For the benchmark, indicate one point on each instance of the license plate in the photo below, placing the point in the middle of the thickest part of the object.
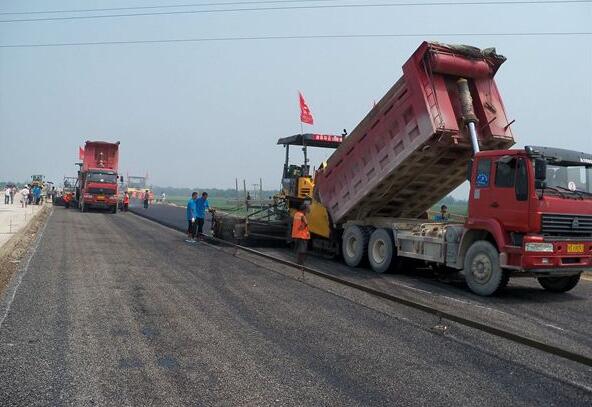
(102, 198)
(575, 248)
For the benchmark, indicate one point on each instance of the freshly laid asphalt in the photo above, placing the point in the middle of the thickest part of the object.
(524, 307)
(117, 310)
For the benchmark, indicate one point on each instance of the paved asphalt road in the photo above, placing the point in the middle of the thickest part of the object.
(116, 310)
(524, 307)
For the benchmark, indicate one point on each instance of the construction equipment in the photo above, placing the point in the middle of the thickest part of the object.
(67, 197)
(37, 180)
(136, 187)
(96, 186)
(529, 210)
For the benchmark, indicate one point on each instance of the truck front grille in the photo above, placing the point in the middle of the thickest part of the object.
(567, 225)
(100, 191)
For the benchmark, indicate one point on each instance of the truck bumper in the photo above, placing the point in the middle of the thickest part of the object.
(560, 262)
(99, 204)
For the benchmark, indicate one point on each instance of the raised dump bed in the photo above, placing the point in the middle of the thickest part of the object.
(412, 149)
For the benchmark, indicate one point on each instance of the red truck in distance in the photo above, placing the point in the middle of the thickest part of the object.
(97, 179)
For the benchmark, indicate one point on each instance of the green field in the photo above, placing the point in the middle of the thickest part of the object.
(221, 204)
(457, 209)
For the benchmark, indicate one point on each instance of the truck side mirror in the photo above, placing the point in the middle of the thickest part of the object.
(540, 170)
(469, 170)
(538, 184)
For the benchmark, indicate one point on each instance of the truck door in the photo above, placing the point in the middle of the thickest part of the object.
(481, 189)
(509, 201)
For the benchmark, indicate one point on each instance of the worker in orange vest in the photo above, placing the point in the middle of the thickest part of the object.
(300, 233)
(125, 202)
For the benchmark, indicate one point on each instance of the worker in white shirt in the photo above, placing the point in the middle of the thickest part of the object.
(24, 196)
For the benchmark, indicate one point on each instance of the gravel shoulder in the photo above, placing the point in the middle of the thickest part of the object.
(15, 249)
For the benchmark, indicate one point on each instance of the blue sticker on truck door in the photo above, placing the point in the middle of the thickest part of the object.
(483, 171)
(482, 180)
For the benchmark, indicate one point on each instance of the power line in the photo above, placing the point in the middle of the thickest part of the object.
(291, 8)
(234, 3)
(297, 37)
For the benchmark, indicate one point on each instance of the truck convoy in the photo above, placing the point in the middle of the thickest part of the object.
(96, 186)
(443, 122)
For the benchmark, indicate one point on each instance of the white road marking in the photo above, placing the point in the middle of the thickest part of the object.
(414, 288)
(553, 326)
(457, 300)
(23, 272)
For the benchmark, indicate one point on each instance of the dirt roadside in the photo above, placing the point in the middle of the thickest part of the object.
(13, 252)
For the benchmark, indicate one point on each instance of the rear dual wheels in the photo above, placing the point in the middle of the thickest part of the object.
(354, 245)
(381, 250)
(377, 245)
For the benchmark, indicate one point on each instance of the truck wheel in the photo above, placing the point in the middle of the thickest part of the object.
(114, 209)
(482, 270)
(354, 245)
(381, 250)
(559, 284)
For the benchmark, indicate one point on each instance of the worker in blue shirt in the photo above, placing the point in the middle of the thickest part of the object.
(191, 216)
(443, 216)
(37, 194)
(201, 204)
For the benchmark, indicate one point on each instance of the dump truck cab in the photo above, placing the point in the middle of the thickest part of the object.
(535, 205)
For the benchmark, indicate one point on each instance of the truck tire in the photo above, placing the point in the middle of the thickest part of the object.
(114, 209)
(354, 245)
(482, 270)
(559, 284)
(381, 250)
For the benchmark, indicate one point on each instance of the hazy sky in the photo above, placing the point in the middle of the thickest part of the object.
(203, 113)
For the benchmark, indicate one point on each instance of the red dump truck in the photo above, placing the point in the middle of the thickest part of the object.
(443, 122)
(97, 179)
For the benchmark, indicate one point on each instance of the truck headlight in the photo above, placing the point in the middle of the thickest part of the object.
(539, 247)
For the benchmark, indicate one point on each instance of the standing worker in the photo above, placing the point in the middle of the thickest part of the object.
(201, 204)
(125, 201)
(7, 195)
(24, 196)
(146, 199)
(443, 216)
(300, 233)
(191, 215)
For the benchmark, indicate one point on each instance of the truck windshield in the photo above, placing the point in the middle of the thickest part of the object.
(105, 177)
(570, 178)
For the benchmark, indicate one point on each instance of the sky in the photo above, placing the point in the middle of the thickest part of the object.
(204, 113)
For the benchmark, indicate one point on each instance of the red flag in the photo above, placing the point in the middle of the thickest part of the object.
(80, 153)
(305, 114)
